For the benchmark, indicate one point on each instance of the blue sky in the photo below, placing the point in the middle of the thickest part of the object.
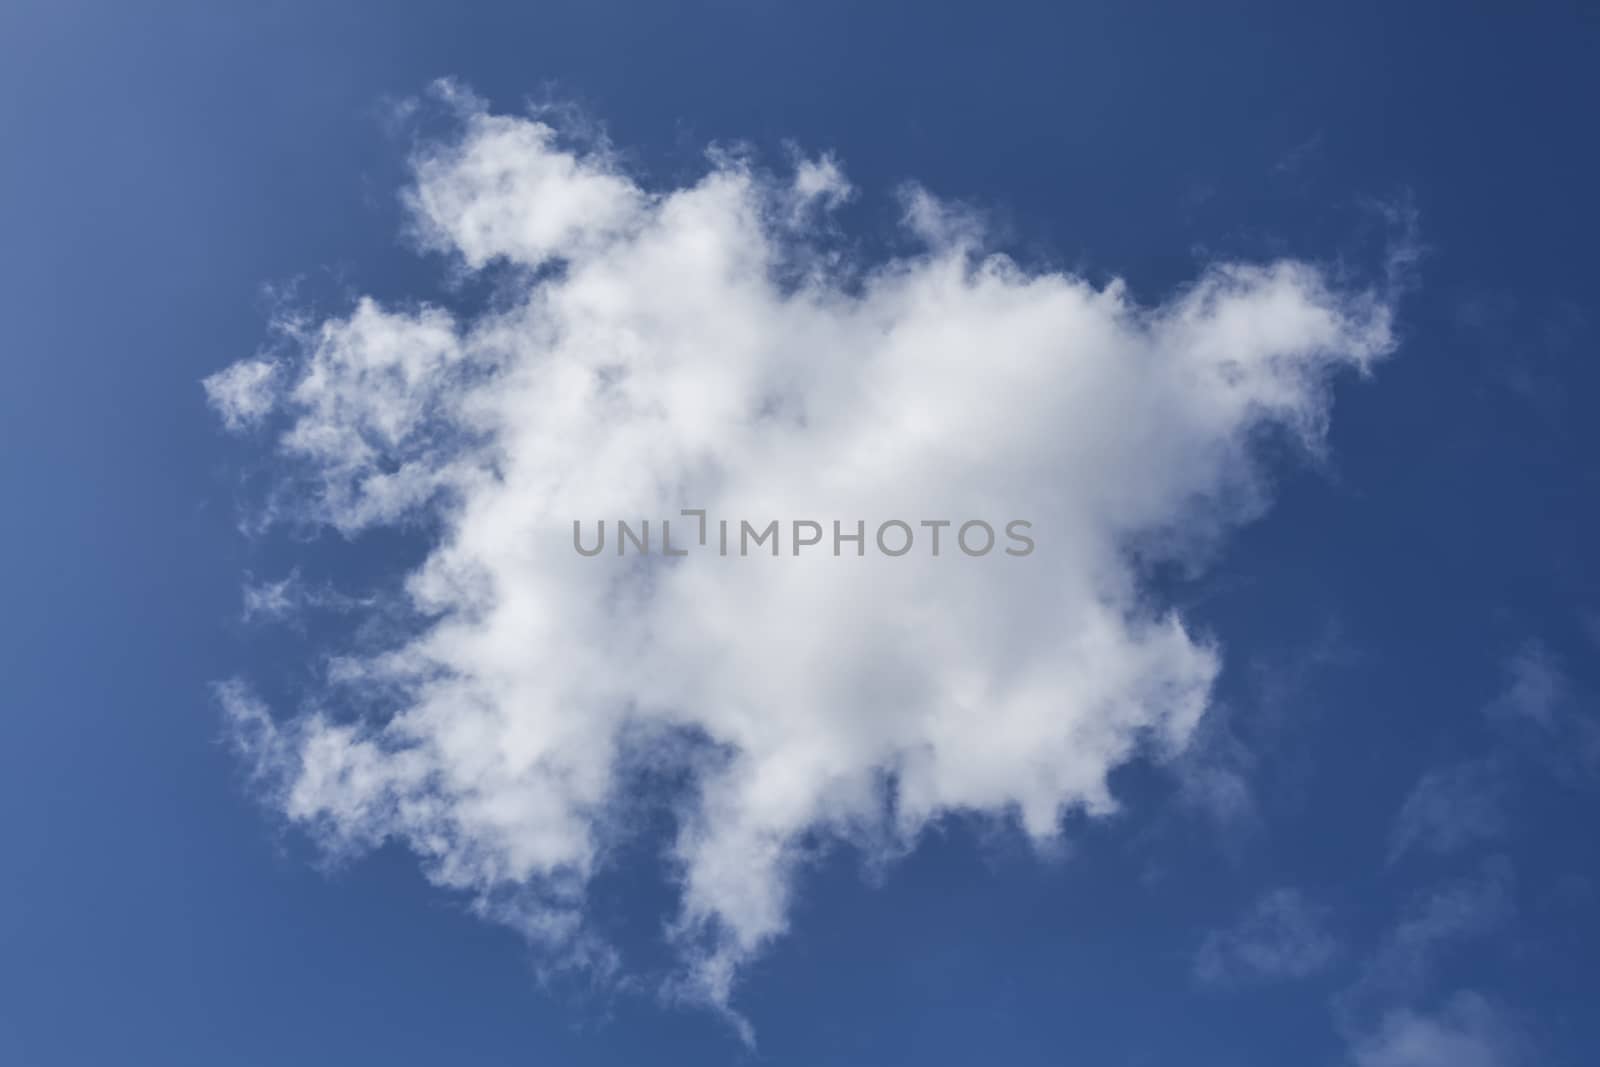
(1375, 845)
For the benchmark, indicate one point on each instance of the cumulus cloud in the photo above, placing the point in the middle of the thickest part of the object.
(1283, 936)
(710, 347)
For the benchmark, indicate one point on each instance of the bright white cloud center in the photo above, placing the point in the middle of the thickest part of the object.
(702, 347)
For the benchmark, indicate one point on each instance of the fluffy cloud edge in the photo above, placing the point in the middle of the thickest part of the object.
(386, 414)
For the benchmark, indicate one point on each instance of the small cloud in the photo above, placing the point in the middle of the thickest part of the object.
(1467, 1032)
(1536, 689)
(821, 181)
(1300, 156)
(1449, 810)
(251, 731)
(289, 597)
(271, 600)
(243, 393)
(1282, 936)
(1541, 707)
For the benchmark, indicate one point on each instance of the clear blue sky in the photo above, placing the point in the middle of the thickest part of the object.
(1408, 703)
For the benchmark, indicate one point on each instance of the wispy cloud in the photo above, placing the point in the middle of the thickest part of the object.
(1541, 710)
(1383, 1013)
(291, 597)
(1450, 809)
(1283, 936)
(1536, 690)
(1437, 921)
(244, 392)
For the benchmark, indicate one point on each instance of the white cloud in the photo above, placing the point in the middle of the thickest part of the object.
(706, 347)
(244, 392)
(291, 597)
(1282, 936)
